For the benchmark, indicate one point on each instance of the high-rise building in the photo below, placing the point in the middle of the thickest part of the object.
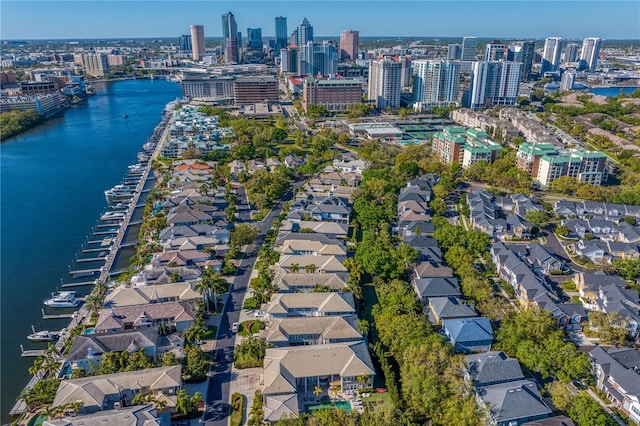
(254, 38)
(293, 38)
(317, 59)
(305, 33)
(250, 90)
(571, 52)
(454, 52)
(551, 54)
(405, 70)
(494, 83)
(495, 51)
(384, 81)
(568, 78)
(281, 33)
(435, 83)
(523, 51)
(95, 64)
(293, 53)
(349, 44)
(231, 39)
(197, 41)
(184, 43)
(469, 47)
(589, 53)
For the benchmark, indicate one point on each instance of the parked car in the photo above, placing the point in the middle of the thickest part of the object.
(259, 314)
(234, 327)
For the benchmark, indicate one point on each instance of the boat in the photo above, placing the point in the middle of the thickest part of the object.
(63, 299)
(112, 216)
(118, 192)
(43, 336)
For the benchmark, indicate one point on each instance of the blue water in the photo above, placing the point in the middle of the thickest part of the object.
(52, 182)
(611, 91)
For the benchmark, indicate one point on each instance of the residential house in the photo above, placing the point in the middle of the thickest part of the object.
(113, 391)
(551, 421)
(514, 403)
(617, 374)
(303, 282)
(621, 250)
(492, 368)
(429, 270)
(299, 331)
(588, 283)
(445, 308)
(167, 274)
(283, 305)
(87, 350)
(427, 288)
(625, 302)
(137, 415)
(544, 262)
(596, 251)
(311, 264)
(569, 315)
(350, 166)
(140, 295)
(177, 315)
(311, 247)
(182, 258)
(339, 230)
(469, 334)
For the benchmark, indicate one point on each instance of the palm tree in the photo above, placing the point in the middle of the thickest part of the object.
(311, 268)
(363, 379)
(100, 288)
(294, 268)
(94, 303)
(317, 391)
(334, 390)
(36, 368)
(211, 282)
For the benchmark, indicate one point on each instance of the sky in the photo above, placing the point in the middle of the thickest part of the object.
(53, 19)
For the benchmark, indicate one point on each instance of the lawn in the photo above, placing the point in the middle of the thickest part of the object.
(383, 398)
(251, 327)
(210, 333)
(250, 303)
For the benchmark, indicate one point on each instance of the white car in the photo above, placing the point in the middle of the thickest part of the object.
(259, 314)
(234, 327)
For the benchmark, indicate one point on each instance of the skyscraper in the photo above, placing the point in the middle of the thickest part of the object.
(293, 38)
(254, 38)
(317, 59)
(495, 51)
(571, 52)
(454, 52)
(523, 51)
(568, 78)
(551, 54)
(349, 44)
(494, 83)
(384, 82)
(435, 83)
(305, 32)
(230, 38)
(281, 32)
(589, 53)
(197, 41)
(184, 43)
(469, 47)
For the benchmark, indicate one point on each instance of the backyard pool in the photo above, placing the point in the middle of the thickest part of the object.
(342, 405)
(37, 420)
(89, 331)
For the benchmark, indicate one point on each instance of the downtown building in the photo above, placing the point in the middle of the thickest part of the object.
(523, 51)
(95, 64)
(45, 104)
(197, 42)
(231, 38)
(546, 163)
(335, 94)
(494, 84)
(289, 58)
(469, 47)
(551, 54)
(302, 34)
(435, 83)
(184, 43)
(318, 59)
(349, 44)
(589, 53)
(251, 90)
(385, 81)
(219, 89)
(281, 33)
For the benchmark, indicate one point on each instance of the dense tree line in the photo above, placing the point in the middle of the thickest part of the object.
(14, 122)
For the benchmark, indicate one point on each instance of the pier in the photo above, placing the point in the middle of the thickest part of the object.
(80, 284)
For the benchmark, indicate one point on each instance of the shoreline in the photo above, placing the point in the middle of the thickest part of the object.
(19, 407)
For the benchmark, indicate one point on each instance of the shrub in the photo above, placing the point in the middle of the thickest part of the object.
(250, 303)
(237, 405)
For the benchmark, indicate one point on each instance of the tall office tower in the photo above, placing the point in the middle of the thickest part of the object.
(229, 32)
(495, 51)
(494, 83)
(293, 38)
(318, 59)
(284, 60)
(197, 41)
(293, 53)
(523, 51)
(454, 52)
(435, 83)
(551, 54)
(469, 46)
(571, 52)
(281, 33)
(305, 33)
(254, 38)
(384, 82)
(184, 43)
(349, 44)
(568, 78)
(589, 53)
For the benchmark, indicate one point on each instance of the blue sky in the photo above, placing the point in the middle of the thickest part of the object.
(27, 19)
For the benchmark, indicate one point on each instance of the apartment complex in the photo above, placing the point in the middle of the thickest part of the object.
(385, 81)
(469, 47)
(545, 163)
(494, 83)
(435, 84)
(335, 94)
(465, 146)
(95, 64)
(45, 105)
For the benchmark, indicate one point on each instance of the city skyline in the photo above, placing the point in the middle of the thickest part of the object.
(77, 20)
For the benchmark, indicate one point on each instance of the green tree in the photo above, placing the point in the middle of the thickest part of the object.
(243, 234)
(183, 403)
(538, 218)
(610, 328)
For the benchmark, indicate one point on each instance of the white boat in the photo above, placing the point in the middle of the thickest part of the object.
(118, 192)
(43, 336)
(112, 216)
(63, 299)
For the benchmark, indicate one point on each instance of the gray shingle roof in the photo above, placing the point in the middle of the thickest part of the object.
(514, 400)
(493, 368)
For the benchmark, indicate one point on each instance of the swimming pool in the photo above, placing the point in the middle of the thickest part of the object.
(342, 405)
(89, 331)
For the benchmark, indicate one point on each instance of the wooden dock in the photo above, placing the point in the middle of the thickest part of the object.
(79, 284)
(56, 316)
(90, 259)
(31, 353)
(81, 272)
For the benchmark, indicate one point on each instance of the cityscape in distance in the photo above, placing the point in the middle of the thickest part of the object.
(348, 229)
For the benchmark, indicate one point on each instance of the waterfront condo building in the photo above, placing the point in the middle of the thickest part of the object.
(95, 64)
(197, 42)
(335, 94)
(385, 81)
(464, 146)
(281, 33)
(545, 163)
(494, 83)
(211, 88)
(469, 47)
(571, 52)
(435, 83)
(349, 44)
(551, 54)
(251, 90)
(568, 78)
(589, 53)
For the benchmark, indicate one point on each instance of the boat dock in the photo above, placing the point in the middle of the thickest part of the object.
(80, 284)
(31, 353)
(57, 316)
